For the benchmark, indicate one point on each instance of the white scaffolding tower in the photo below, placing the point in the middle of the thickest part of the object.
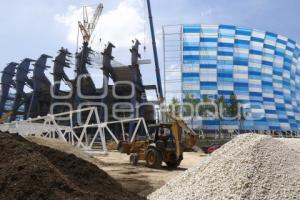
(172, 58)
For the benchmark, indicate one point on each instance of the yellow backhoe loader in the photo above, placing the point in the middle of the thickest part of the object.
(168, 145)
(5, 117)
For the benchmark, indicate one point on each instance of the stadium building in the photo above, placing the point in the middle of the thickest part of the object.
(260, 68)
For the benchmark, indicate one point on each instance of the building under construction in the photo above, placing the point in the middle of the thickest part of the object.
(122, 86)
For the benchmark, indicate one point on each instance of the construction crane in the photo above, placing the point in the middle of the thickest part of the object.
(157, 70)
(87, 28)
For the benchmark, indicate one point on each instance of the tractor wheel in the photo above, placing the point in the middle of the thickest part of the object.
(153, 158)
(134, 159)
(173, 164)
(173, 161)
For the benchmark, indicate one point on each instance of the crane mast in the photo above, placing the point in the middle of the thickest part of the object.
(157, 70)
(87, 28)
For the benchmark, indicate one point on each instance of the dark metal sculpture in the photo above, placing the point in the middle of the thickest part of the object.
(40, 98)
(108, 73)
(82, 60)
(83, 78)
(21, 80)
(139, 91)
(61, 61)
(6, 82)
(38, 102)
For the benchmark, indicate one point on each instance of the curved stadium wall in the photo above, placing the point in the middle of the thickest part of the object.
(259, 67)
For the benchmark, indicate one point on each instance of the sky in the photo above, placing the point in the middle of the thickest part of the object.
(32, 27)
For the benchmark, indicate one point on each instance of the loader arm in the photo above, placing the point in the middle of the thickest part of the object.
(5, 117)
(176, 132)
(180, 127)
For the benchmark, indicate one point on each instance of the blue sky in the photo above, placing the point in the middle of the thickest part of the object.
(32, 27)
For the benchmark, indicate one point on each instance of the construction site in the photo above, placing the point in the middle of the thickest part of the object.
(212, 125)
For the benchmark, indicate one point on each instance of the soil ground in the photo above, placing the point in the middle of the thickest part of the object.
(138, 179)
(141, 179)
(31, 171)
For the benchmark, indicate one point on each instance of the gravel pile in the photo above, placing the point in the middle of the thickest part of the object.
(250, 166)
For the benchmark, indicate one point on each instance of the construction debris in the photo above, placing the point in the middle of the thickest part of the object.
(250, 166)
(31, 171)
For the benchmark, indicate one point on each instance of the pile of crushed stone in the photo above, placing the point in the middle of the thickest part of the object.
(250, 166)
(31, 171)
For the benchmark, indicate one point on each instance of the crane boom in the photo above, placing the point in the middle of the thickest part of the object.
(87, 28)
(157, 70)
(85, 34)
(95, 19)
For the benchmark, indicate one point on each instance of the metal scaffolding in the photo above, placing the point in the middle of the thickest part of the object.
(172, 60)
(90, 135)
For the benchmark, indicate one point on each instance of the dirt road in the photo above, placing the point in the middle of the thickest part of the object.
(140, 179)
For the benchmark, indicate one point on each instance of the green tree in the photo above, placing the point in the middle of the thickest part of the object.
(233, 106)
(236, 111)
(242, 118)
(221, 106)
(191, 108)
(220, 101)
(174, 106)
(207, 107)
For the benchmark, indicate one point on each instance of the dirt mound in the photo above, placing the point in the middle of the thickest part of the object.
(249, 167)
(31, 171)
(65, 147)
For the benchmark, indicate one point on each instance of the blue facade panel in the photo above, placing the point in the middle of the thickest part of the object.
(259, 67)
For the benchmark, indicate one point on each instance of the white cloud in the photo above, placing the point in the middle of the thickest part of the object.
(70, 21)
(119, 26)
